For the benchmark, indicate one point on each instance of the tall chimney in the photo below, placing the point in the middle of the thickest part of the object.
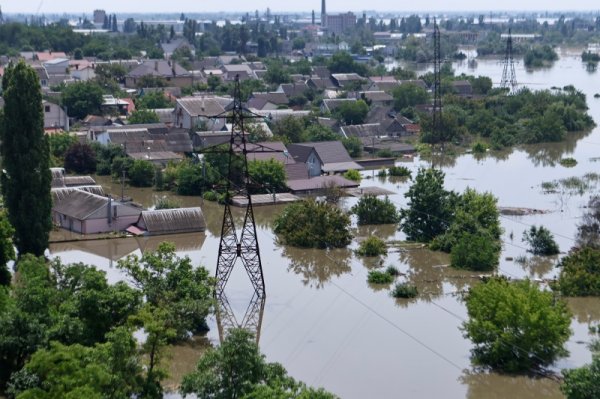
(323, 14)
(156, 65)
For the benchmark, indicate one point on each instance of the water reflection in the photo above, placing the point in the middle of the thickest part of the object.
(383, 231)
(585, 309)
(549, 154)
(498, 386)
(251, 321)
(317, 266)
(538, 266)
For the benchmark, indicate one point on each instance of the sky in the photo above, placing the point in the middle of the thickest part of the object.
(176, 6)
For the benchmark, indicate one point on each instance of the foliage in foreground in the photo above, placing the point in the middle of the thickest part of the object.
(372, 210)
(583, 382)
(237, 369)
(541, 241)
(514, 326)
(312, 224)
(372, 246)
(580, 273)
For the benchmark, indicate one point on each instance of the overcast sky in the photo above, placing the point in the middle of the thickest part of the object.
(87, 6)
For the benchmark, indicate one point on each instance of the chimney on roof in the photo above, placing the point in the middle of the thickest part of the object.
(156, 65)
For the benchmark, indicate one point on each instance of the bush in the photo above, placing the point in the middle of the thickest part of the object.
(311, 224)
(392, 271)
(514, 326)
(372, 246)
(379, 277)
(353, 175)
(582, 382)
(80, 158)
(404, 290)
(167, 203)
(479, 147)
(474, 252)
(541, 241)
(399, 171)
(568, 162)
(580, 273)
(382, 173)
(141, 173)
(210, 196)
(372, 210)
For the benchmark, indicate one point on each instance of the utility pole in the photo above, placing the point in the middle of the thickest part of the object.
(437, 94)
(509, 77)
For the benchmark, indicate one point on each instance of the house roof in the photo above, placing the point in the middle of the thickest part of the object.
(366, 130)
(321, 71)
(320, 183)
(329, 151)
(171, 221)
(346, 77)
(331, 104)
(174, 44)
(73, 181)
(201, 106)
(340, 167)
(155, 155)
(277, 98)
(294, 89)
(321, 83)
(377, 96)
(158, 68)
(264, 151)
(296, 171)
(49, 55)
(79, 204)
(300, 153)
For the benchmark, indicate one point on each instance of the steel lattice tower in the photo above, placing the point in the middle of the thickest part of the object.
(244, 247)
(252, 320)
(509, 77)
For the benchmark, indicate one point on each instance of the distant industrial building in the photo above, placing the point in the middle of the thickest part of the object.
(336, 24)
(99, 16)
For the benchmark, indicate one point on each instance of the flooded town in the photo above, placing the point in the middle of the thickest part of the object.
(270, 149)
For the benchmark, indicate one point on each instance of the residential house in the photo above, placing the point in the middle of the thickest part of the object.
(365, 130)
(114, 106)
(331, 104)
(57, 66)
(173, 73)
(462, 88)
(86, 213)
(392, 123)
(82, 72)
(40, 70)
(55, 116)
(295, 89)
(345, 80)
(243, 71)
(199, 113)
(385, 83)
(318, 83)
(174, 44)
(328, 157)
(169, 221)
(268, 101)
(376, 97)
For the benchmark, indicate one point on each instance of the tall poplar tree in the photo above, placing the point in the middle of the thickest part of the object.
(26, 174)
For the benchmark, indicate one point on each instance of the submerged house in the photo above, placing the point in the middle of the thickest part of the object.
(87, 213)
(169, 221)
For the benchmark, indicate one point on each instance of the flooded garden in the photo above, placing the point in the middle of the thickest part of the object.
(330, 328)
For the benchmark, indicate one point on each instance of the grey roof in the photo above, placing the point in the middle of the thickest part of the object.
(72, 181)
(161, 68)
(300, 153)
(174, 44)
(321, 71)
(277, 98)
(155, 155)
(171, 221)
(376, 96)
(320, 183)
(152, 128)
(178, 140)
(79, 204)
(331, 104)
(294, 89)
(342, 78)
(341, 167)
(296, 171)
(201, 106)
(329, 151)
(264, 151)
(366, 130)
(321, 83)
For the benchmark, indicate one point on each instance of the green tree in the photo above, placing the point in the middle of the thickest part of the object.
(140, 116)
(60, 143)
(312, 224)
(237, 369)
(141, 173)
(372, 246)
(353, 145)
(580, 273)
(276, 74)
(7, 251)
(171, 283)
(353, 175)
(408, 95)
(429, 211)
(82, 99)
(474, 252)
(80, 158)
(541, 241)
(270, 174)
(352, 112)
(342, 62)
(514, 326)
(371, 210)
(154, 100)
(582, 382)
(289, 128)
(25, 154)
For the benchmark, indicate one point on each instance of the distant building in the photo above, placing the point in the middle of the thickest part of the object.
(340, 23)
(55, 117)
(323, 14)
(99, 16)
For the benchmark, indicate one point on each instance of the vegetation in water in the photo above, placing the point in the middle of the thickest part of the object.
(541, 241)
(372, 246)
(380, 277)
(312, 224)
(399, 171)
(582, 382)
(167, 203)
(515, 326)
(568, 162)
(539, 56)
(404, 290)
(353, 175)
(580, 273)
(371, 210)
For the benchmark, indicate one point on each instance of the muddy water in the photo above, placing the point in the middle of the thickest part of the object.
(329, 328)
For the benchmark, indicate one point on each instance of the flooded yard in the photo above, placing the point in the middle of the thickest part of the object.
(330, 328)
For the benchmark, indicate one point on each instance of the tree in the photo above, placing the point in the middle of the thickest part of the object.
(153, 100)
(270, 174)
(514, 326)
(429, 209)
(372, 210)
(353, 145)
(580, 273)
(352, 112)
(408, 95)
(541, 241)
(171, 283)
(312, 224)
(82, 99)
(7, 251)
(582, 382)
(290, 128)
(25, 154)
(237, 369)
(60, 143)
(80, 158)
(140, 116)
(372, 246)
(342, 62)
(474, 252)
(276, 74)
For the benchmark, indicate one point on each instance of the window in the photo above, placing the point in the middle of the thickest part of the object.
(46, 108)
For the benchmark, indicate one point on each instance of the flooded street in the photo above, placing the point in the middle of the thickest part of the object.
(329, 328)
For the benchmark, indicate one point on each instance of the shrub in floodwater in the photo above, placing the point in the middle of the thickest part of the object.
(404, 290)
(549, 186)
(372, 210)
(597, 95)
(399, 171)
(475, 252)
(382, 173)
(167, 203)
(353, 175)
(210, 196)
(392, 271)
(372, 246)
(541, 241)
(580, 273)
(568, 162)
(379, 277)
(479, 147)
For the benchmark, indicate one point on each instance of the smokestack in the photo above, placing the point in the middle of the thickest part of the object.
(323, 14)
(156, 66)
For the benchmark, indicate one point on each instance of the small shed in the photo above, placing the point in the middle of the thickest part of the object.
(170, 221)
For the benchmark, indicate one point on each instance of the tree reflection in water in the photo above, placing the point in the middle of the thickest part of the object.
(538, 266)
(317, 266)
(499, 386)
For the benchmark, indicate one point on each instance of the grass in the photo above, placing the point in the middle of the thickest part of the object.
(379, 277)
(404, 290)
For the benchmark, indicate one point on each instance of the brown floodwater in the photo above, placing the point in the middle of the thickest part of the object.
(330, 328)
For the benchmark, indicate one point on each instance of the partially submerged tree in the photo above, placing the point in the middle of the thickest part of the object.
(580, 273)
(25, 154)
(372, 210)
(541, 241)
